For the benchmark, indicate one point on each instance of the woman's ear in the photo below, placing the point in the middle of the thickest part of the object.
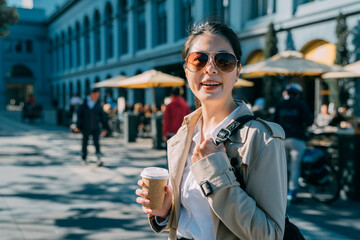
(186, 72)
(238, 70)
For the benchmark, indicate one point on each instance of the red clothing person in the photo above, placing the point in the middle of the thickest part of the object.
(174, 114)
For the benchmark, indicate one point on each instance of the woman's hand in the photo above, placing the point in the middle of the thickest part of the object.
(142, 199)
(206, 148)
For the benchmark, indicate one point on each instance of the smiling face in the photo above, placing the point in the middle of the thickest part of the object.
(210, 85)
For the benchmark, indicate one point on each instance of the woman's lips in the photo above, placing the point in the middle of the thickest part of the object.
(210, 85)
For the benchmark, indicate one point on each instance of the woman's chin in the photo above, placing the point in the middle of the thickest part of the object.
(211, 99)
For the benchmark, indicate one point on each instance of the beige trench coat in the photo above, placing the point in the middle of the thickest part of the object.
(258, 213)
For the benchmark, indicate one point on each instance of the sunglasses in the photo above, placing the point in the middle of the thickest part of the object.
(224, 61)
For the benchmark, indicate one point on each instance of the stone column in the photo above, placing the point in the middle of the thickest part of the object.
(132, 34)
(3, 91)
(171, 17)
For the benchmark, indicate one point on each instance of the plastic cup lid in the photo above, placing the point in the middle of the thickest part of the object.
(155, 173)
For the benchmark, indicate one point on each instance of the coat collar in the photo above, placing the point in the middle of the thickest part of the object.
(179, 145)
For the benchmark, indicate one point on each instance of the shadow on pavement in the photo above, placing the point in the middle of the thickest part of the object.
(340, 217)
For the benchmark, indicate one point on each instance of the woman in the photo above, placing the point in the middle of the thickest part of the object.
(212, 56)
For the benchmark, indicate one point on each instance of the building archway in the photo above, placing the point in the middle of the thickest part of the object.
(320, 51)
(123, 92)
(255, 56)
(19, 84)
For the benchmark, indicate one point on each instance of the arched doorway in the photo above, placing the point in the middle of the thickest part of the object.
(321, 51)
(122, 92)
(19, 84)
(255, 56)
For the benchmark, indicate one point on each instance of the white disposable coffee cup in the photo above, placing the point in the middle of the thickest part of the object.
(155, 180)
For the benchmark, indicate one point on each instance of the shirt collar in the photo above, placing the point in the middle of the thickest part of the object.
(224, 123)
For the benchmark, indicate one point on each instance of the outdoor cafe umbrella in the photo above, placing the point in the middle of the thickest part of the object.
(287, 63)
(290, 63)
(243, 83)
(111, 82)
(152, 79)
(352, 71)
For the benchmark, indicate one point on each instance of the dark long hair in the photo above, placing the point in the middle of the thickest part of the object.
(213, 27)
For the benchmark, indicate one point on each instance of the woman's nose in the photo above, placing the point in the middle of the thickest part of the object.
(210, 67)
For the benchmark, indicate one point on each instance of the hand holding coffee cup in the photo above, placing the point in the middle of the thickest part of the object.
(155, 195)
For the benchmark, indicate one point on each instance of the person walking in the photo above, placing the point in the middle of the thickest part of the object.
(75, 102)
(90, 117)
(174, 114)
(294, 116)
(205, 199)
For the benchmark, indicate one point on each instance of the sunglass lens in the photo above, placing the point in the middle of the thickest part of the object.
(196, 61)
(226, 62)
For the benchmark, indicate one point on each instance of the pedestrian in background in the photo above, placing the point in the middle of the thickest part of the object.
(323, 118)
(294, 116)
(174, 114)
(75, 102)
(91, 119)
(204, 199)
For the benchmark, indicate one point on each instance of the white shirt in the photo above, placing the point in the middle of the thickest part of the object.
(75, 100)
(195, 216)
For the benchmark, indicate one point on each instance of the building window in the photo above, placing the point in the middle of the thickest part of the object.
(29, 46)
(141, 37)
(109, 32)
(123, 26)
(63, 96)
(87, 40)
(161, 21)
(63, 66)
(8, 45)
(71, 89)
(187, 16)
(70, 48)
(51, 57)
(78, 88)
(260, 8)
(217, 8)
(56, 55)
(77, 43)
(18, 46)
(97, 36)
(87, 87)
(57, 97)
(274, 6)
(306, 1)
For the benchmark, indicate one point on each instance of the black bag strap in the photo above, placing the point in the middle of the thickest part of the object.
(232, 128)
(224, 135)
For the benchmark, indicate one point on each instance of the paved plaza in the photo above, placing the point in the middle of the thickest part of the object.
(46, 193)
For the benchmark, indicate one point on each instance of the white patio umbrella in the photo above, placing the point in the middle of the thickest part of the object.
(111, 82)
(243, 83)
(290, 63)
(352, 71)
(152, 79)
(287, 63)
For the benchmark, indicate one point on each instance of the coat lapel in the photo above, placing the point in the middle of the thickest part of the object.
(178, 150)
